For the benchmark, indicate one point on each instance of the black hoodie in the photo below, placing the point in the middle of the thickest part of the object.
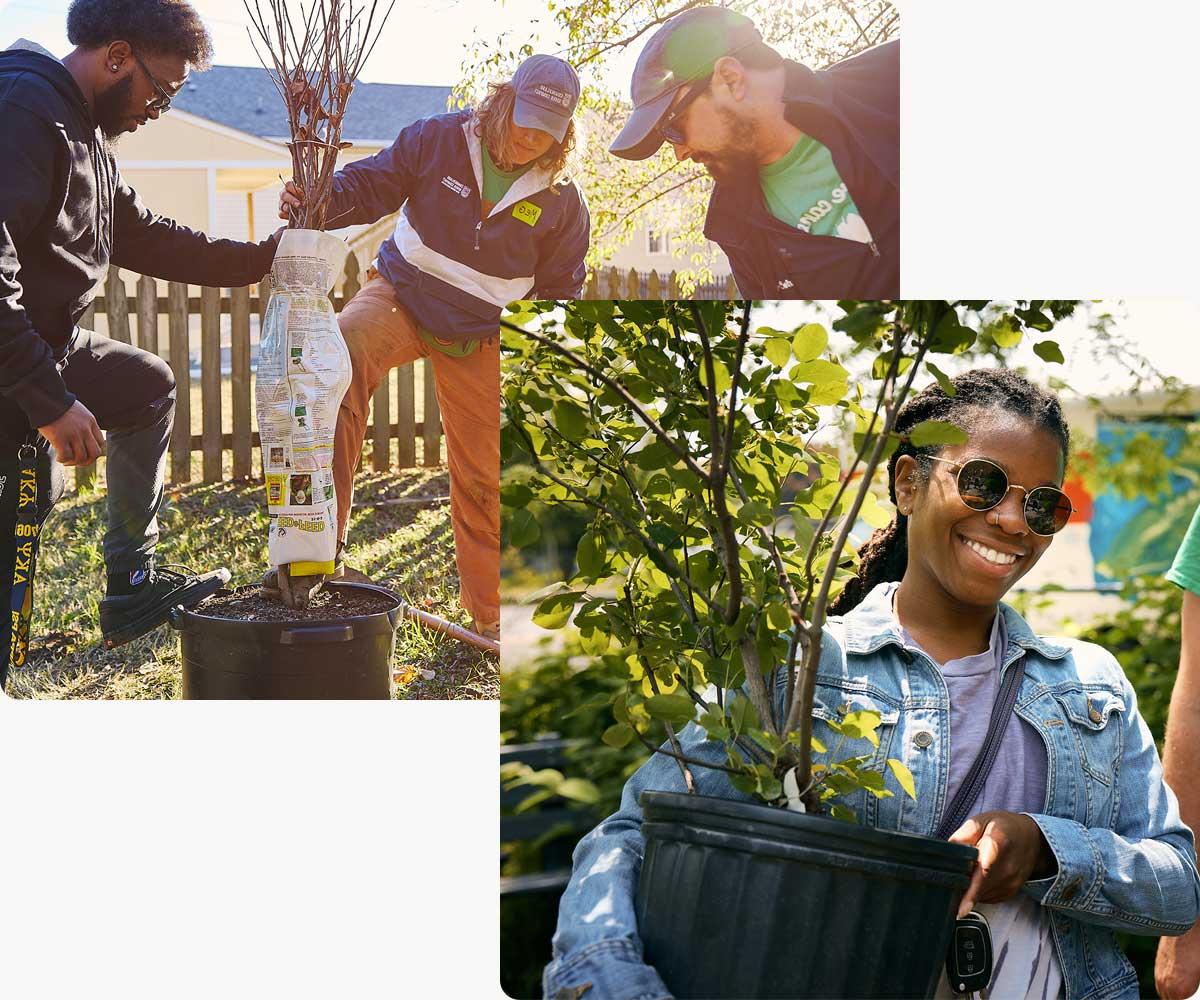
(65, 216)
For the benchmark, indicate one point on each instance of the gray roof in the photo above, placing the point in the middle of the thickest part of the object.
(244, 98)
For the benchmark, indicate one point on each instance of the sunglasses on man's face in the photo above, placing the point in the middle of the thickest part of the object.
(982, 485)
(667, 127)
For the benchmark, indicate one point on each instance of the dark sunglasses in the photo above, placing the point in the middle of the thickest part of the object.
(162, 103)
(982, 485)
(666, 127)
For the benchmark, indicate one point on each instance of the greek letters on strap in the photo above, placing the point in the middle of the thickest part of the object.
(26, 534)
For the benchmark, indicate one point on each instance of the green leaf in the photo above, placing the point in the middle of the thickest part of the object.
(950, 336)
(594, 641)
(618, 735)
(778, 351)
(861, 725)
(523, 530)
(931, 432)
(555, 611)
(829, 381)
(1049, 351)
(721, 378)
(778, 616)
(818, 746)
(844, 813)
(677, 709)
(810, 342)
(1006, 331)
(904, 777)
(515, 495)
(579, 790)
(713, 721)
(590, 555)
(742, 713)
(570, 420)
(755, 512)
(942, 379)
(874, 513)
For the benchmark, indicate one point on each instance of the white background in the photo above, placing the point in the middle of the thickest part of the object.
(341, 851)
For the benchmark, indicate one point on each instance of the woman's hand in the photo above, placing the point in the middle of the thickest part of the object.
(1012, 851)
(289, 198)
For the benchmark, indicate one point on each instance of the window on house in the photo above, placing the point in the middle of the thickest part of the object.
(657, 241)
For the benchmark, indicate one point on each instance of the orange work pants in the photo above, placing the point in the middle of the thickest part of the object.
(382, 335)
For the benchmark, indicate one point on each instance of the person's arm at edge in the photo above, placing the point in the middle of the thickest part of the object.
(1140, 875)
(364, 191)
(1177, 969)
(28, 375)
(151, 244)
(561, 269)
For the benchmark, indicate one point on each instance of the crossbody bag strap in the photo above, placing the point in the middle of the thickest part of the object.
(960, 808)
(25, 545)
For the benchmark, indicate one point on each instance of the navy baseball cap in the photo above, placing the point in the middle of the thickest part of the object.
(682, 51)
(547, 92)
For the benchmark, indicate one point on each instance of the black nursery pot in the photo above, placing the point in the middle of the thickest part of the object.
(742, 900)
(343, 658)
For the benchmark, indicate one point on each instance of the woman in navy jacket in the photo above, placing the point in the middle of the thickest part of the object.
(486, 217)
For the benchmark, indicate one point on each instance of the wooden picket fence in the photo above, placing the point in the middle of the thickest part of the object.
(240, 304)
(614, 283)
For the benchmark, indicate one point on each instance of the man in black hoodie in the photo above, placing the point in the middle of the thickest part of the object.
(66, 215)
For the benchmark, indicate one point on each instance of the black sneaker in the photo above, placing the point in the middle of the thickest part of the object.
(128, 617)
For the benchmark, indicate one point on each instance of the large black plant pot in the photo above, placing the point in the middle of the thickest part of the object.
(739, 900)
(347, 658)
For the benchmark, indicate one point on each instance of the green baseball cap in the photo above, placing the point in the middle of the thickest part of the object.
(682, 51)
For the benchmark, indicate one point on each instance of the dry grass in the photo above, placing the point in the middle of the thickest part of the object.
(407, 548)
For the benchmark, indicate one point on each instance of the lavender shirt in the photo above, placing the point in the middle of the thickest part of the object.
(1025, 963)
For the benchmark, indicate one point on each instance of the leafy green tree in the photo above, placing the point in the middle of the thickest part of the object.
(677, 426)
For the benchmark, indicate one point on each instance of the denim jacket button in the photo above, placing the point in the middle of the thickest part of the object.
(923, 740)
(844, 708)
(1070, 889)
(1094, 713)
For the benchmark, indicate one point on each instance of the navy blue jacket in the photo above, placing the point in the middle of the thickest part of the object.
(453, 271)
(853, 108)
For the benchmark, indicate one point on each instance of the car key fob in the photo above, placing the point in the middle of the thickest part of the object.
(969, 959)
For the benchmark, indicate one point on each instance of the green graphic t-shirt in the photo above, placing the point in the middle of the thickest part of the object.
(496, 182)
(1185, 571)
(804, 189)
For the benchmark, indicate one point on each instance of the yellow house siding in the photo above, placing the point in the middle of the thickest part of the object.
(180, 137)
(181, 195)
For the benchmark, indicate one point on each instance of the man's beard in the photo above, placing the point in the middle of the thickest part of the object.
(111, 112)
(738, 157)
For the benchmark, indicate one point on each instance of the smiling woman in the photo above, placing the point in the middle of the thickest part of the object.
(1028, 749)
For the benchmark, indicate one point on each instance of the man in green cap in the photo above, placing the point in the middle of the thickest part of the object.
(807, 163)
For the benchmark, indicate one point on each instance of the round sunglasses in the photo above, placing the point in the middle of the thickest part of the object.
(982, 485)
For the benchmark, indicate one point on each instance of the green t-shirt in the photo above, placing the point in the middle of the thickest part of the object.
(804, 189)
(1185, 570)
(496, 182)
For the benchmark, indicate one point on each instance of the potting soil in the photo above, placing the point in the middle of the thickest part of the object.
(328, 604)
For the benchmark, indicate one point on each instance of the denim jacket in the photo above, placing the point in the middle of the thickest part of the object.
(1126, 862)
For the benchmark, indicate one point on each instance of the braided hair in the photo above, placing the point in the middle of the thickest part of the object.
(884, 556)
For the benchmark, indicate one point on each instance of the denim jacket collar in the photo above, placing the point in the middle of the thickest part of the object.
(871, 625)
